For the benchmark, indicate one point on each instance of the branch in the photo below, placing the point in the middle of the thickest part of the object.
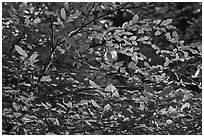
(77, 91)
(88, 13)
(72, 91)
(75, 32)
(39, 12)
(123, 7)
(54, 46)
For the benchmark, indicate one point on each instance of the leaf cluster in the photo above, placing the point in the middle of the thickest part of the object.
(55, 81)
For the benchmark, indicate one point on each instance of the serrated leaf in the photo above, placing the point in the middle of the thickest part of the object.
(63, 13)
(95, 104)
(167, 90)
(93, 84)
(166, 22)
(148, 89)
(106, 107)
(110, 88)
(21, 51)
(45, 79)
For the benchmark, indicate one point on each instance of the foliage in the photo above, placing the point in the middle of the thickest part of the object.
(187, 17)
(56, 82)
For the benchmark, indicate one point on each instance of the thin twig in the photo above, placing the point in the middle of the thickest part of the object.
(39, 12)
(88, 13)
(50, 57)
(72, 34)
(123, 7)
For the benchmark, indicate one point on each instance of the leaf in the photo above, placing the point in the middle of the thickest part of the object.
(16, 106)
(133, 38)
(175, 35)
(50, 13)
(143, 38)
(165, 91)
(33, 57)
(127, 112)
(90, 112)
(125, 25)
(63, 14)
(95, 104)
(60, 106)
(107, 114)
(70, 41)
(147, 94)
(135, 18)
(172, 109)
(186, 105)
(127, 33)
(156, 21)
(69, 104)
(23, 7)
(74, 16)
(84, 47)
(110, 88)
(169, 121)
(196, 75)
(166, 22)
(116, 94)
(93, 84)
(168, 36)
(21, 51)
(106, 107)
(132, 66)
(179, 95)
(147, 88)
(155, 47)
(126, 119)
(17, 115)
(157, 33)
(46, 79)
(83, 102)
(146, 64)
(66, 6)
